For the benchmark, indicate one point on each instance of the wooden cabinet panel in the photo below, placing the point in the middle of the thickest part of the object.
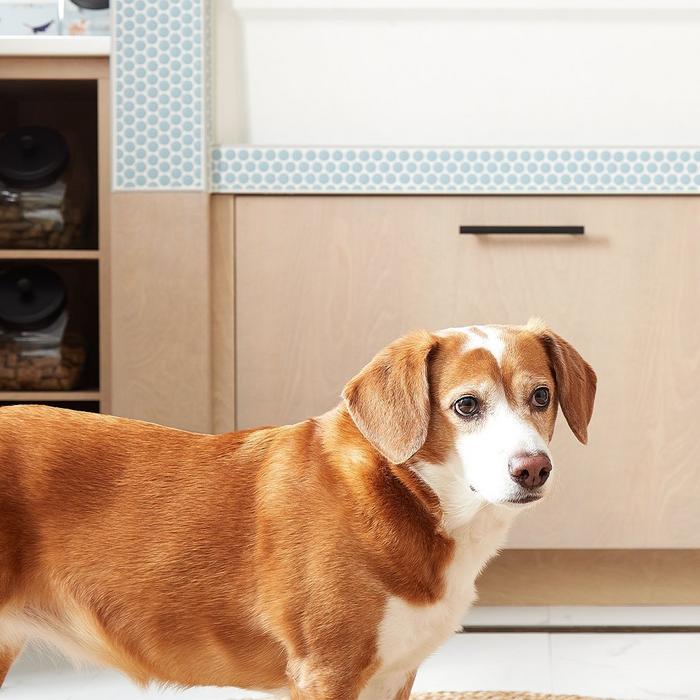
(160, 301)
(324, 282)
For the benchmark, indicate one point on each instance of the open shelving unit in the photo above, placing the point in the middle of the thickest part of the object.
(56, 91)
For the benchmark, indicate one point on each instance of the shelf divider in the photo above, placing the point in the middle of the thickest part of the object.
(48, 254)
(85, 395)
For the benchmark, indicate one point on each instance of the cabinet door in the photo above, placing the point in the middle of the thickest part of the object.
(323, 282)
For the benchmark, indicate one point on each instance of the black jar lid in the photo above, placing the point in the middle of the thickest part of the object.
(30, 297)
(91, 4)
(32, 156)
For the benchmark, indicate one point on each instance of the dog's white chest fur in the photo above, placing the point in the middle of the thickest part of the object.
(408, 633)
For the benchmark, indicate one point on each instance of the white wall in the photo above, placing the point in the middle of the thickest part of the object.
(457, 73)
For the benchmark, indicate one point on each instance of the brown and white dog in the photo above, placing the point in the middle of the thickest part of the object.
(328, 558)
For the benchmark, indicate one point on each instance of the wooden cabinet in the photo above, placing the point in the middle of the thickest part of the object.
(323, 282)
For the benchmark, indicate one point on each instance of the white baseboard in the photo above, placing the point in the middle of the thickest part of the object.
(584, 616)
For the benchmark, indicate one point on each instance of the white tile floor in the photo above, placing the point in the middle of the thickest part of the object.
(623, 666)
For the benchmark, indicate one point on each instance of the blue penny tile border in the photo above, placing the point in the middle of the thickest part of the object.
(162, 116)
(249, 169)
(159, 80)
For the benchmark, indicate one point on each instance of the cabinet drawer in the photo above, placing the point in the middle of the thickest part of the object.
(323, 282)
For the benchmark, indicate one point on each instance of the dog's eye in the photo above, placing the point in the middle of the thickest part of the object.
(540, 397)
(466, 406)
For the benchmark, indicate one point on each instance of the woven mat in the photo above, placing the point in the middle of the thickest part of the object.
(495, 695)
(498, 695)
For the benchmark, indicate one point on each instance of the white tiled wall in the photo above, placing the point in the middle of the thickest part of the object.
(585, 616)
(456, 72)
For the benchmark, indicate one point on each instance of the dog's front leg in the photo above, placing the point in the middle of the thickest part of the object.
(326, 679)
(8, 655)
(308, 682)
(395, 685)
(405, 692)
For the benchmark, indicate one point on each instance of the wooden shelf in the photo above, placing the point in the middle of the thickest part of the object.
(55, 46)
(47, 254)
(87, 395)
(71, 94)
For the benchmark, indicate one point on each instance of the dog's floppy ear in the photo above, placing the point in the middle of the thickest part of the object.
(389, 400)
(576, 381)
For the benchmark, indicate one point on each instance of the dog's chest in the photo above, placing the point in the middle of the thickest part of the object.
(408, 633)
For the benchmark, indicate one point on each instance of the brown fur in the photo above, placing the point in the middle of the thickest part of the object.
(153, 533)
(576, 382)
(246, 559)
(390, 399)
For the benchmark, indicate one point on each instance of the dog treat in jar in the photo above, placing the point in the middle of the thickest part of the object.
(38, 351)
(44, 194)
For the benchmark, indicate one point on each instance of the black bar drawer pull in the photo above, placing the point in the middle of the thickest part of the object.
(509, 230)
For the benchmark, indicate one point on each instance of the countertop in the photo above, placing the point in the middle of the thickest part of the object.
(55, 45)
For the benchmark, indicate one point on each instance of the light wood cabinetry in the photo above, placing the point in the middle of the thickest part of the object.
(162, 360)
(324, 282)
(592, 577)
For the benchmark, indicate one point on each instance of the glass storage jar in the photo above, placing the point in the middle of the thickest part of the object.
(44, 197)
(38, 350)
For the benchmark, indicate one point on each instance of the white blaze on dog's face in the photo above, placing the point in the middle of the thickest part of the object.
(495, 391)
(472, 409)
(499, 393)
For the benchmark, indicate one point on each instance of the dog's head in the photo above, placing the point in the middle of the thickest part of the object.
(474, 405)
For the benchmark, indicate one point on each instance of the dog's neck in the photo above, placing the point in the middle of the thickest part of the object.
(369, 475)
(438, 489)
(389, 508)
(419, 516)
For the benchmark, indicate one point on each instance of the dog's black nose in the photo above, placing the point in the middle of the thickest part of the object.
(530, 471)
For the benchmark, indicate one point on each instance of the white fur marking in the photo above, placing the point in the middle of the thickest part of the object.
(408, 633)
(384, 686)
(484, 453)
(493, 340)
